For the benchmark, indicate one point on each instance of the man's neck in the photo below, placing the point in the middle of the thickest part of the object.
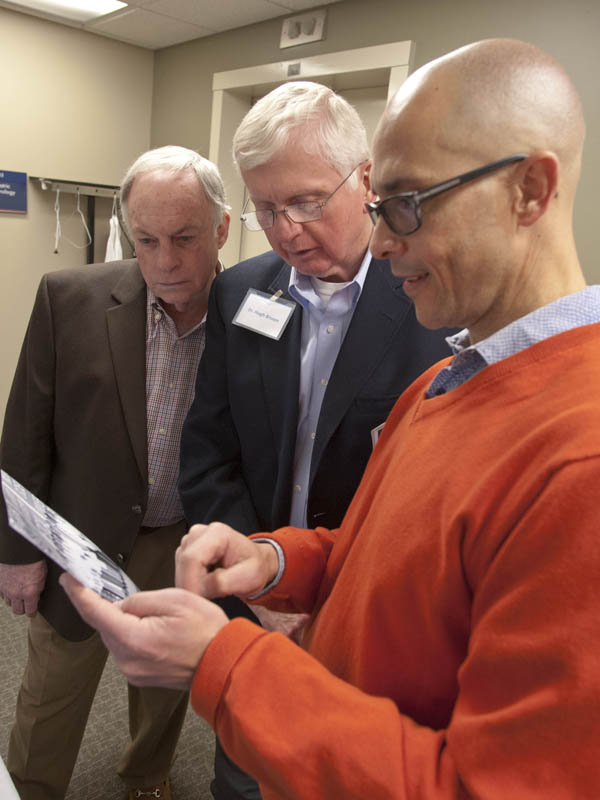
(186, 316)
(544, 297)
(347, 272)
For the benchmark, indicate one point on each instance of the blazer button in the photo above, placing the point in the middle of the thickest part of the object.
(120, 558)
(136, 509)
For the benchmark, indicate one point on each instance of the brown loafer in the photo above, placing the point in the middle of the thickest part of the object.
(161, 791)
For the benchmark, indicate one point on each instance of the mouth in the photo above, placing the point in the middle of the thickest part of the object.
(302, 252)
(412, 284)
(412, 279)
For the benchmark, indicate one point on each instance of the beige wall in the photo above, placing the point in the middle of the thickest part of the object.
(568, 30)
(82, 107)
(74, 106)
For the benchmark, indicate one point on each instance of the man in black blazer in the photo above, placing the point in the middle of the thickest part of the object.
(281, 428)
(239, 439)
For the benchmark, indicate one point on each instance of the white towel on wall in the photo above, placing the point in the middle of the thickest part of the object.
(114, 251)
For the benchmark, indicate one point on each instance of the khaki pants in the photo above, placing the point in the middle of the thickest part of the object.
(59, 684)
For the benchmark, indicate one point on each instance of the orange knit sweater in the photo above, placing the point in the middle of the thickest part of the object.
(454, 647)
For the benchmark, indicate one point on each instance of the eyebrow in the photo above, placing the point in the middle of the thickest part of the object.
(397, 186)
(186, 229)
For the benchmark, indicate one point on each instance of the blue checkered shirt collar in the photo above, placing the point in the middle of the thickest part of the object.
(572, 311)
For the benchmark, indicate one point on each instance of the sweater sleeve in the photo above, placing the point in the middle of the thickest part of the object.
(306, 553)
(525, 720)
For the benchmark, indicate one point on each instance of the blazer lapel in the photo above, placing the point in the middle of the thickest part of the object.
(380, 311)
(126, 322)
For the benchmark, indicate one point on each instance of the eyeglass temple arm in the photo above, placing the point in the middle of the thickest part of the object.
(466, 177)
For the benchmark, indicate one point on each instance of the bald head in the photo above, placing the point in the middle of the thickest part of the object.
(494, 98)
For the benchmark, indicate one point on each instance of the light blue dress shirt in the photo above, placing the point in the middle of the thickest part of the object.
(572, 311)
(324, 326)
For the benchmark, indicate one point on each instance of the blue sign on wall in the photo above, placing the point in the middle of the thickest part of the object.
(13, 192)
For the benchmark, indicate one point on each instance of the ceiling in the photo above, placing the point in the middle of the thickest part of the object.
(160, 23)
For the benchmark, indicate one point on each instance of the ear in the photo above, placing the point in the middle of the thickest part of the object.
(223, 230)
(366, 183)
(537, 186)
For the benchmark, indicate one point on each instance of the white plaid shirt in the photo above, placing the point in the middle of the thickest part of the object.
(171, 367)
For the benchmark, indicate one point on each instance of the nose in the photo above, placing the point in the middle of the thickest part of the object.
(288, 229)
(385, 243)
(167, 256)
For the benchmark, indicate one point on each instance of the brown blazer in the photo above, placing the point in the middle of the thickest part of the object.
(75, 426)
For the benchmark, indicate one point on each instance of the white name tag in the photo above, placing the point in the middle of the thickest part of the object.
(376, 433)
(264, 313)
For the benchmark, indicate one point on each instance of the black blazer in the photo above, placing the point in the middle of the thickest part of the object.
(239, 437)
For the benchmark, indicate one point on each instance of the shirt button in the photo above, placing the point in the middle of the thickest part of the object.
(313, 435)
(136, 509)
(120, 558)
(171, 386)
(157, 316)
(151, 481)
(330, 328)
(324, 381)
(162, 431)
(297, 488)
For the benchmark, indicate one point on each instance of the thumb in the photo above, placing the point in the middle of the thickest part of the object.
(240, 579)
(157, 603)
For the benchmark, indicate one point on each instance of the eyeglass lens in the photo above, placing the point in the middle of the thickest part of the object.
(299, 212)
(399, 213)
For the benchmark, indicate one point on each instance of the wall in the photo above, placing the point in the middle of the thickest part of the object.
(183, 74)
(79, 106)
(75, 106)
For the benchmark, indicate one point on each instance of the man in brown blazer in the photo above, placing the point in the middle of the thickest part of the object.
(104, 381)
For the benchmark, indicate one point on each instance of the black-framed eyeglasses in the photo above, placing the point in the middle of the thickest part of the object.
(296, 212)
(402, 212)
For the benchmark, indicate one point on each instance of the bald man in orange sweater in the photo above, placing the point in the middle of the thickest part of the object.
(453, 648)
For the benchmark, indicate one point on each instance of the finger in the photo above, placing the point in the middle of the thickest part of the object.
(197, 556)
(193, 533)
(31, 605)
(17, 606)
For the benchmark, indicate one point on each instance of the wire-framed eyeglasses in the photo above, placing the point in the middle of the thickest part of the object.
(402, 212)
(309, 211)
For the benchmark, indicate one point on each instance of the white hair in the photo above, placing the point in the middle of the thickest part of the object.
(321, 122)
(174, 159)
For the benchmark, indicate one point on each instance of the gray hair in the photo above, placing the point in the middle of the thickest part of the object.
(331, 127)
(174, 159)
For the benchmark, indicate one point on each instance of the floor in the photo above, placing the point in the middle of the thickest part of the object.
(94, 777)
